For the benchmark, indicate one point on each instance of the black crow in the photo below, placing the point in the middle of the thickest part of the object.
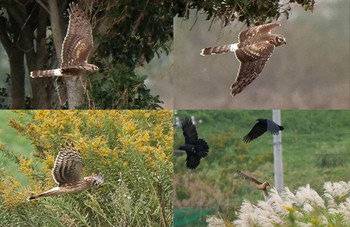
(261, 127)
(195, 148)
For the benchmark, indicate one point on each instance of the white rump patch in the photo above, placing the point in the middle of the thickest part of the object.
(233, 47)
(57, 72)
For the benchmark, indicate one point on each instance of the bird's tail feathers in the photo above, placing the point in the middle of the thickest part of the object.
(219, 49)
(202, 148)
(52, 191)
(192, 161)
(46, 73)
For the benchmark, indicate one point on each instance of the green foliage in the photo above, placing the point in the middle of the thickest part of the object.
(140, 30)
(249, 12)
(121, 89)
(143, 28)
(332, 160)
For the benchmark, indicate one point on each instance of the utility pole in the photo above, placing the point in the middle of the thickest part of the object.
(277, 154)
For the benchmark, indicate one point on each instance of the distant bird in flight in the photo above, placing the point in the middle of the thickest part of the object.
(254, 49)
(195, 148)
(261, 127)
(261, 186)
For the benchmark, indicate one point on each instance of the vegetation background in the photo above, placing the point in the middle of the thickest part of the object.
(306, 73)
(133, 150)
(316, 149)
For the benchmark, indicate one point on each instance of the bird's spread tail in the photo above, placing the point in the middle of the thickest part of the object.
(46, 73)
(192, 161)
(219, 49)
(202, 148)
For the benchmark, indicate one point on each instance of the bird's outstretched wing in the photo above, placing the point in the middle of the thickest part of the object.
(189, 131)
(253, 59)
(68, 167)
(78, 43)
(257, 130)
(257, 30)
(251, 179)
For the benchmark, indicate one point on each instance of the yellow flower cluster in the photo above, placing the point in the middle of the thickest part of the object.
(25, 166)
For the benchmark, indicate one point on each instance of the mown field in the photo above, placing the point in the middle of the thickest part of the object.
(315, 150)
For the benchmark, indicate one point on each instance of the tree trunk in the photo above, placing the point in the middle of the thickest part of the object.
(16, 60)
(75, 91)
(42, 88)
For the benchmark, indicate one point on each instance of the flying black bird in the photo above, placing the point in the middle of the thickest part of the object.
(195, 148)
(261, 186)
(260, 128)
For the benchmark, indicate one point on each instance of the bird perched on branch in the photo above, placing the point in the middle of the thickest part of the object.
(195, 148)
(254, 49)
(68, 173)
(261, 127)
(261, 186)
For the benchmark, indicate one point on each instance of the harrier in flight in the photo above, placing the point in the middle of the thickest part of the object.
(68, 173)
(253, 50)
(76, 47)
(261, 186)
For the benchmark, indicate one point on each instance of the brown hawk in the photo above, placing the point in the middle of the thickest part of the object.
(261, 186)
(76, 47)
(68, 173)
(254, 49)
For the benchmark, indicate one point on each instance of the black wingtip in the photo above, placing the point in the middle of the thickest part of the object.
(247, 139)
